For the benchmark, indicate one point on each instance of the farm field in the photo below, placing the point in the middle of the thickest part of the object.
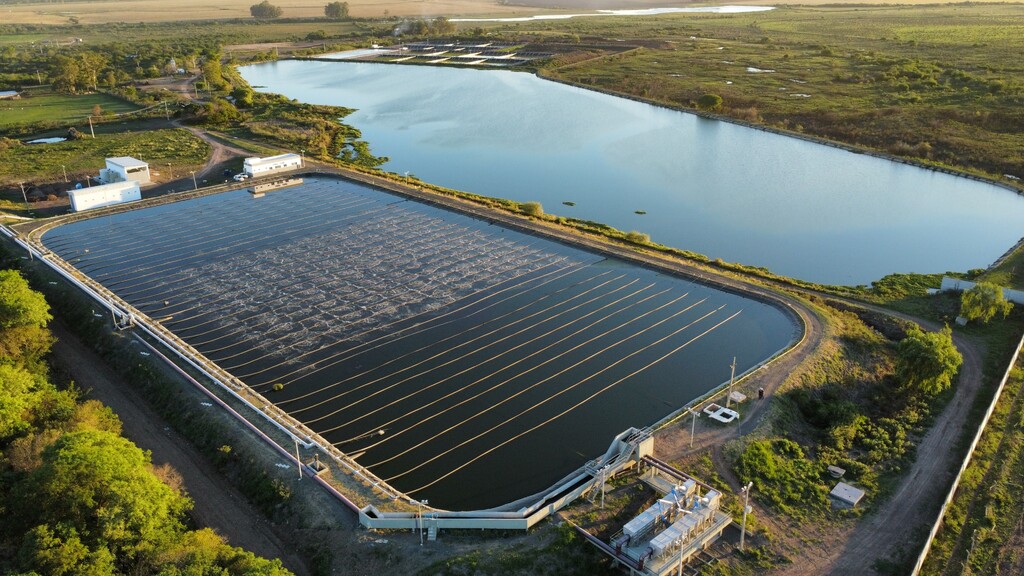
(157, 10)
(45, 106)
(444, 353)
(94, 12)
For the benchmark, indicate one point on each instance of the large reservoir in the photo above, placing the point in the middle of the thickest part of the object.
(462, 362)
(795, 207)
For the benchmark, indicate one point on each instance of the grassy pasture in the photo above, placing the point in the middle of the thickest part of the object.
(45, 106)
(42, 162)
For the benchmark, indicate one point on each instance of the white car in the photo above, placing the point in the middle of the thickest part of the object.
(240, 177)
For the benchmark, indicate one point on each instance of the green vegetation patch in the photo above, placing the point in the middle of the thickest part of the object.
(45, 106)
(316, 129)
(860, 405)
(42, 162)
(784, 476)
(77, 498)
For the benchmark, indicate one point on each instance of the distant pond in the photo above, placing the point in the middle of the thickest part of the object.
(743, 195)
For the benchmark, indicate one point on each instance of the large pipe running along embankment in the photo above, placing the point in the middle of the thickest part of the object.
(309, 438)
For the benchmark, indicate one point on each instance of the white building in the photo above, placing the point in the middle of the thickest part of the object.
(125, 168)
(105, 195)
(263, 166)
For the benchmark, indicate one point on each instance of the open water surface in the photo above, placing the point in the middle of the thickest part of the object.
(464, 363)
(743, 195)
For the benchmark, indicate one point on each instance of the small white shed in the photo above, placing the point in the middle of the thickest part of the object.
(125, 168)
(105, 195)
(846, 496)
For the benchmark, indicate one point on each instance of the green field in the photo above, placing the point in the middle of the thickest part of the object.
(40, 106)
(42, 162)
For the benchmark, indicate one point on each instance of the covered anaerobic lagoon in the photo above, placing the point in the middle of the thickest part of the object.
(743, 195)
(460, 361)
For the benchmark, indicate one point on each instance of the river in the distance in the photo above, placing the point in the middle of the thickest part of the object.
(742, 195)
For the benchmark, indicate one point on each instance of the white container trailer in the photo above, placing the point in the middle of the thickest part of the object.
(105, 195)
(257, 167)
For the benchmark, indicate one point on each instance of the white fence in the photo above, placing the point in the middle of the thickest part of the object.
(967, 460)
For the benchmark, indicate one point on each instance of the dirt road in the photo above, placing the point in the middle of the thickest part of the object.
(892, 528)
(218, 505)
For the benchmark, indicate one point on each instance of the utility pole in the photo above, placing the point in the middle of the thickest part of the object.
(693, 425)
(166, 112)
(64, 170)
(298, 460)
(732, 376)
(746, 509)
(91, 131)
(194, 184)
(23, 197)
(39, 78)
(170, 175)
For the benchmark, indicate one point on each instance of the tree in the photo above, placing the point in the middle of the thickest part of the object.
(65, 74)
(101, 486)
(336, 10)
(265, 11)
(984, 302)
(204, 552)
(213, 72)
(20, 305)
(24, 314)
(60, 552)
(91, 64)
(442, 26)
(18, 395)
(243, 96)
(712, 102)
(927, 361)
(218, 112)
